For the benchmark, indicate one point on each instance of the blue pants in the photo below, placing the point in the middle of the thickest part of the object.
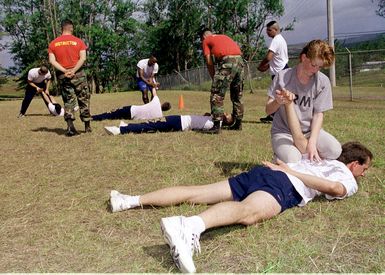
(122, 113)
(29, 94)
(172, 124)
(261, 178)
(143, 86)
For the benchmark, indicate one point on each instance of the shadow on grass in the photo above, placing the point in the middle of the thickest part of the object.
(39, 115)
(254, 122)
(59, 131)
(10, 97)
(227, 167)
(161, 254)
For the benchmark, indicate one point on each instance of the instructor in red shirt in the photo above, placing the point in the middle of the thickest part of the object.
(67, 53)
(226, 68)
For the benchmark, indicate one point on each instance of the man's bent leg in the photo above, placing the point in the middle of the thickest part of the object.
(258, 206)
(182, 234)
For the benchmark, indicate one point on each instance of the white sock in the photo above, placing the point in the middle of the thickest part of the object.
(132, 200)
(197, 224)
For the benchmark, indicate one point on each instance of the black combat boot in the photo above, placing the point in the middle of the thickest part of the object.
(237, 126)
(216, 129)
(87, 127)
(267, 119)
(71, 131)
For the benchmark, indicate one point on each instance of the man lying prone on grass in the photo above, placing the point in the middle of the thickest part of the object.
(253, 196)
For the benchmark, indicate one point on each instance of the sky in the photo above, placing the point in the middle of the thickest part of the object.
(351, 17)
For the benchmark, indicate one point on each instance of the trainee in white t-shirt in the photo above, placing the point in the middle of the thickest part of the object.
(35, 77)
(332, 170)
(148, 71)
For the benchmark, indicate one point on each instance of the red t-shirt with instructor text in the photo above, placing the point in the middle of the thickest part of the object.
(66, 49)
(220, 45)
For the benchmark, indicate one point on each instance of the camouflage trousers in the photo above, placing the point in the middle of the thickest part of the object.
(229, 72)
(75, 93)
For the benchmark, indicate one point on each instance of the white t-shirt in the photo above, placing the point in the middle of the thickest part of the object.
(151, 110)
(147, 70)
(52, 109)
(332, 170)
(314, 97)
(35, 77)
(196, 122)
(279, 47)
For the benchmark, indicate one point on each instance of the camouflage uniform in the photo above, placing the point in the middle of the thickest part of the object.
(75, 91)
(229, 71)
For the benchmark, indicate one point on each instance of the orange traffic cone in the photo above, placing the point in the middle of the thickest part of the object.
(181, 103)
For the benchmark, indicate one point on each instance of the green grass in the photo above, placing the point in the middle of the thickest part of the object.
(54, 193)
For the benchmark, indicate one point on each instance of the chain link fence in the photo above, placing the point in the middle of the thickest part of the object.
(359, 74)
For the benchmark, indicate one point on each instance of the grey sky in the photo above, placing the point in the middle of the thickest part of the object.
(350, 17)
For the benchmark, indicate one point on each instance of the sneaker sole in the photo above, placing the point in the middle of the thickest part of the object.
(113, 206)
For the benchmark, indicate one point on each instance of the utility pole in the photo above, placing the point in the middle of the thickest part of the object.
(332, 69)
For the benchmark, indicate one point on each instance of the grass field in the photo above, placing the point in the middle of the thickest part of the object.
(54, 192)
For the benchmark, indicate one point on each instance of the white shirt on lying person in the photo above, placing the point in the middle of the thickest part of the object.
(52, 110)
(151, 110)
(332, 170)
(194, 122)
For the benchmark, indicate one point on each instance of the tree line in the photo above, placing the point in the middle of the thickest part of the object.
(119, 33)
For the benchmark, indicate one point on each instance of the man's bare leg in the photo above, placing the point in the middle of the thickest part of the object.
(205, 194)
(145, 97)
(182, 234)
(256, 207)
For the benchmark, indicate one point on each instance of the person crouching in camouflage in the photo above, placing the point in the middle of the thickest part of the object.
(67, 53)
(222, 52)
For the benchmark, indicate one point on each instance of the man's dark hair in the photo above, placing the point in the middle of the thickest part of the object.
(202, 31)
(57, 108)
(271, 23)
(43, 69)
(355, 151)
(166, 106)
(66, 22)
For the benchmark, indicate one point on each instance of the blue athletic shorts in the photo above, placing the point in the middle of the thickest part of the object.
(143, 85)
(261, 178)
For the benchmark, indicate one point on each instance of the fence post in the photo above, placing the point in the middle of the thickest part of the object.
(350, 75)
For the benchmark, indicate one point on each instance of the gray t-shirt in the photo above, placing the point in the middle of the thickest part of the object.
(314, 97)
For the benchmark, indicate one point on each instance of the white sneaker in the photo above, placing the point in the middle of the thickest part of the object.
(183, 243)
(112, 130)
(123, 124)
(118, 202)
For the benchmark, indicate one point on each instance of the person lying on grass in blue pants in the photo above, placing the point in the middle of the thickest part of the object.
(253, 196)
(172, 123)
